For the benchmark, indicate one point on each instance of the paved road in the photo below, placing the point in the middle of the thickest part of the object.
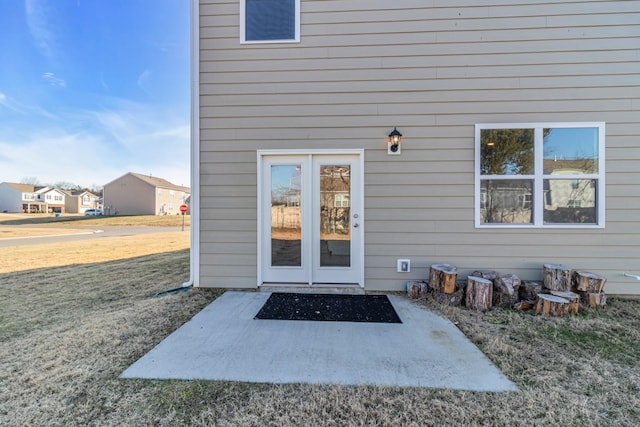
(90, 233)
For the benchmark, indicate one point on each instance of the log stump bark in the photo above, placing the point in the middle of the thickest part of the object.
(442, 278)
(416, 289)
(588, 282)
(572, 297)
(505, 291)
(551, 305)
(529, 291)
(486, 274)
(557, 277)
(594, 299)
(479, 293)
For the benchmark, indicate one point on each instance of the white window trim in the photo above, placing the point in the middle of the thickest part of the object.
(243, 33)
(538, 173)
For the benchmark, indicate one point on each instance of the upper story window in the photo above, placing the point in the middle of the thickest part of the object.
(86, 200)
(540, 175)
(269, 21)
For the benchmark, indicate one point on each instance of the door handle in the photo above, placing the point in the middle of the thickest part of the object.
(356, 225)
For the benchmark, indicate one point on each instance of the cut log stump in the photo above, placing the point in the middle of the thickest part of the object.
(572, 297)
(551, 305)
(557, 277)
(416, 289)
(505, 291)
(594, 299)
(486, 274)
(588, 282)
(529, 290)
(442, 278)
(479, 293)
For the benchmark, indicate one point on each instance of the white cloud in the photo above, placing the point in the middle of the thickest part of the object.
(38, 14)
(53, 80)
(144, 81)
(89, 147)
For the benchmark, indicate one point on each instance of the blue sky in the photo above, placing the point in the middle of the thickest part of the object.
(93, 89)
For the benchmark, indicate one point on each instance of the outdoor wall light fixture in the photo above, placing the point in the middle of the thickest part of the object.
(394, 142)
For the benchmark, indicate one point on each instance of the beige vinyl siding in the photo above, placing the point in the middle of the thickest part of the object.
(433, 69)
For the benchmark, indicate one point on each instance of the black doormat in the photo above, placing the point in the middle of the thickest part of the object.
(331, 308)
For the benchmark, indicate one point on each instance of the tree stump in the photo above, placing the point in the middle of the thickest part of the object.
(529, 290)
(588, 282)
(557, 277)
(416, 289)
(551, 305)
(442, 278)
(486, 274)
(572, 297)
(505, 291)
(479, 293)
(594, 299)
(454, 299)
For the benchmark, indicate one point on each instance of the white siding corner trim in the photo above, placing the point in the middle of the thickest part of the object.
(194, 262)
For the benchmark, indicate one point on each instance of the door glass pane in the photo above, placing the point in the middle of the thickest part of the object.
(286, 218)
(335, 217)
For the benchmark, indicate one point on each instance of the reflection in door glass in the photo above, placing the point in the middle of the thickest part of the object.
(335, 224)
(286, 220)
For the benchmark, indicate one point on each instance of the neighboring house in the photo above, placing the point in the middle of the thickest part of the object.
(136, 194)
(509, 112)
(27, 198)
(80, 201)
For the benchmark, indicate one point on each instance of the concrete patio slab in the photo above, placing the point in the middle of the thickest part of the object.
(225, 342)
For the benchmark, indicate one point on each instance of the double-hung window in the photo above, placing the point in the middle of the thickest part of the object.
(540, 175)
(269, 21)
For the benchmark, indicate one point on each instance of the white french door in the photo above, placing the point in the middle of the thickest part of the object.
(310, 225)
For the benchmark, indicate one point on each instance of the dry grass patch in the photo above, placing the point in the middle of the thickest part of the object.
(67, 334)
(13, 232)
(98, 221)
(20, 258)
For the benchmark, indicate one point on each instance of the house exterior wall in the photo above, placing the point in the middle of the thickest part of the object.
(168, 201)
(129, 195)
(10, 198)
(434, 69)
(77, 204)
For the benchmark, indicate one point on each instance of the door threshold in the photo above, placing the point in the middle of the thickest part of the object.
(297, 288)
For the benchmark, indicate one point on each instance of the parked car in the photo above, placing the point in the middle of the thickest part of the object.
(93, 212)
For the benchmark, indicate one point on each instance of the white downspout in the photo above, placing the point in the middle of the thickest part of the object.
(194, 263)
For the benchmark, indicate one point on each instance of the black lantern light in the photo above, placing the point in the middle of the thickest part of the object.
(394, 141)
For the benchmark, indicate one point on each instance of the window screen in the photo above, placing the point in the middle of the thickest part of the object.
(270, 20)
